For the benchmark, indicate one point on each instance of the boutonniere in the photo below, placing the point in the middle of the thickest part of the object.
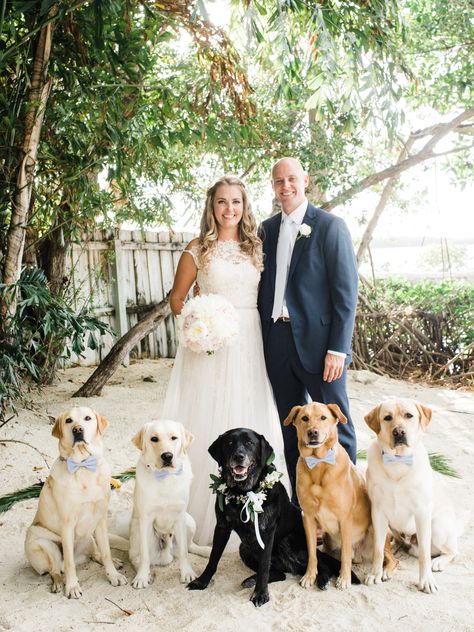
(304, 231)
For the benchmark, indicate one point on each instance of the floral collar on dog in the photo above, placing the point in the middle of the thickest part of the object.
(252, 501)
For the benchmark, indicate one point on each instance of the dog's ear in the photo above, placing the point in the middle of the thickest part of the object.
(137, 440)
(292, 415)
(265, 450)
(337, 412)
(215, 450)
(425, 415)
(57, 430)
(102, 423)
(187, 438)
(372, 419)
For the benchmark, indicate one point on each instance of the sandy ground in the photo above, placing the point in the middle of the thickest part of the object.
(134, 396)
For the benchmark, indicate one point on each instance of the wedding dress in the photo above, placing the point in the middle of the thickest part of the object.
(210, 394)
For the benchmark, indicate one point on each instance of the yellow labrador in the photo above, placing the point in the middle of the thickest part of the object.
(73, 503)
(159, 518)
(332, 492)
(405, 493)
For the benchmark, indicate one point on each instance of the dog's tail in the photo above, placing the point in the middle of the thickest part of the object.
(197, 549)
(117, 542)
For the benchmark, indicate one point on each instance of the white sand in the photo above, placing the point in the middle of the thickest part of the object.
(26, 603)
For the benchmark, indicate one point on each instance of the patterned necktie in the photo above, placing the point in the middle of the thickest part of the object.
(312, 461)
(395, 458)
(161, 475)
(283, 257)
(90, 463)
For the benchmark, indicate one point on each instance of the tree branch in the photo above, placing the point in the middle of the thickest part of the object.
(425, 153)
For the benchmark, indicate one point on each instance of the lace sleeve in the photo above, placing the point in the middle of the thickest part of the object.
(194, 252)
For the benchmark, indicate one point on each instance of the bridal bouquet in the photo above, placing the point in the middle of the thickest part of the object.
(207, 323)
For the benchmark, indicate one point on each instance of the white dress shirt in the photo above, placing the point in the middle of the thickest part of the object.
(289, 227)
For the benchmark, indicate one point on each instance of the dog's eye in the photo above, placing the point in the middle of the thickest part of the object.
(305, 418)
(408, 415)
(323, 417)
(174, 438)
(154, 439)
(87, 418)
(69, 420)
(388, 418)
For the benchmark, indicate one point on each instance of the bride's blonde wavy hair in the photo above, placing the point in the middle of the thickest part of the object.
(249, 241)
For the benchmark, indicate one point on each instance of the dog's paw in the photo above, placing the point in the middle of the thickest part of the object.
(260, 598)
(57, 584)
(439, 563)
(308, 580)
(187, 574)
(343, 582)
(373, 578)
(142, 580)
(428, 585)
(198, 584)
(117, 579)
(73, 590)
(387, 574)
(322, 581)
(249, 582)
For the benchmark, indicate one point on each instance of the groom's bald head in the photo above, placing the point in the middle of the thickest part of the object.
(289, 181)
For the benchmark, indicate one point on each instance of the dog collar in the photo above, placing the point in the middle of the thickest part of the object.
(90, 463)
(312, 461)
(161, 475)
(252, 501)
(389, 459)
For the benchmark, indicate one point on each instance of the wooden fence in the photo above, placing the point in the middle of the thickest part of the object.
(121, 274)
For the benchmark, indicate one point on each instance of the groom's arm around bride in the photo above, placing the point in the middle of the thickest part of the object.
(307, 304)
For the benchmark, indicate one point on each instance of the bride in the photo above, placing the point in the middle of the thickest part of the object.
(210, 394)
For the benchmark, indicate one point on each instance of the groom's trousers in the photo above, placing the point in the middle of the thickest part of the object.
(292, 384)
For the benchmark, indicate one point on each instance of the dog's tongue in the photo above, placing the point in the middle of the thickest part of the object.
(239, 469)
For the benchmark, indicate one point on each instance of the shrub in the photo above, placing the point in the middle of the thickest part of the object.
(43, 330)
(422, 330)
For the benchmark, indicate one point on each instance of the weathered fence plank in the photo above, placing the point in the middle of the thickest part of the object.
(122, 276)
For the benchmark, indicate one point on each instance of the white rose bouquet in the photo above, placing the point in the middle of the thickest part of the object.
(207, 323)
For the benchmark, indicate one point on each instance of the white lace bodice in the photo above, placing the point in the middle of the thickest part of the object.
(231, 273)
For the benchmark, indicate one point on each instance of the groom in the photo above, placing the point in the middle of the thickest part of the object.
(307, 303)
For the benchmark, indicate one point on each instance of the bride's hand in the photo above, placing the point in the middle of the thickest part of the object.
(196, 289)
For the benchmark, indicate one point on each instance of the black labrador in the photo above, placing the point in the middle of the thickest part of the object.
(244, 459)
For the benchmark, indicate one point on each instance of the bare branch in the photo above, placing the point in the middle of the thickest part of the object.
(425, 153)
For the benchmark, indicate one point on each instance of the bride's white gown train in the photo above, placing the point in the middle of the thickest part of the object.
(229, 389)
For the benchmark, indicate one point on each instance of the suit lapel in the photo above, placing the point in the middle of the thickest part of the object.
(271, 239)
(302, 242)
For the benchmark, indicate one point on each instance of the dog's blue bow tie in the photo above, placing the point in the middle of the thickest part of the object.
(160, 475)
(312, 461)
(90, 463)
(395, 458)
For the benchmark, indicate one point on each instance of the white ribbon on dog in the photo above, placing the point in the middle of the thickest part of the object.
(256, 504)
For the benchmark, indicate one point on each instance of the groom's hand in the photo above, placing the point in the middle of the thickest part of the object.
(333, 367)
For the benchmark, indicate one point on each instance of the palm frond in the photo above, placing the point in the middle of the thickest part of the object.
(6, 502)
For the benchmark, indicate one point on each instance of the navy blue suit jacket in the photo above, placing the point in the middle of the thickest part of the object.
(321, 292)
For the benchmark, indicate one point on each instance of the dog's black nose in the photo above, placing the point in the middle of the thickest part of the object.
(239, 455)
(167, 457)
(78, 430)
(312, 433)
(399, 436)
